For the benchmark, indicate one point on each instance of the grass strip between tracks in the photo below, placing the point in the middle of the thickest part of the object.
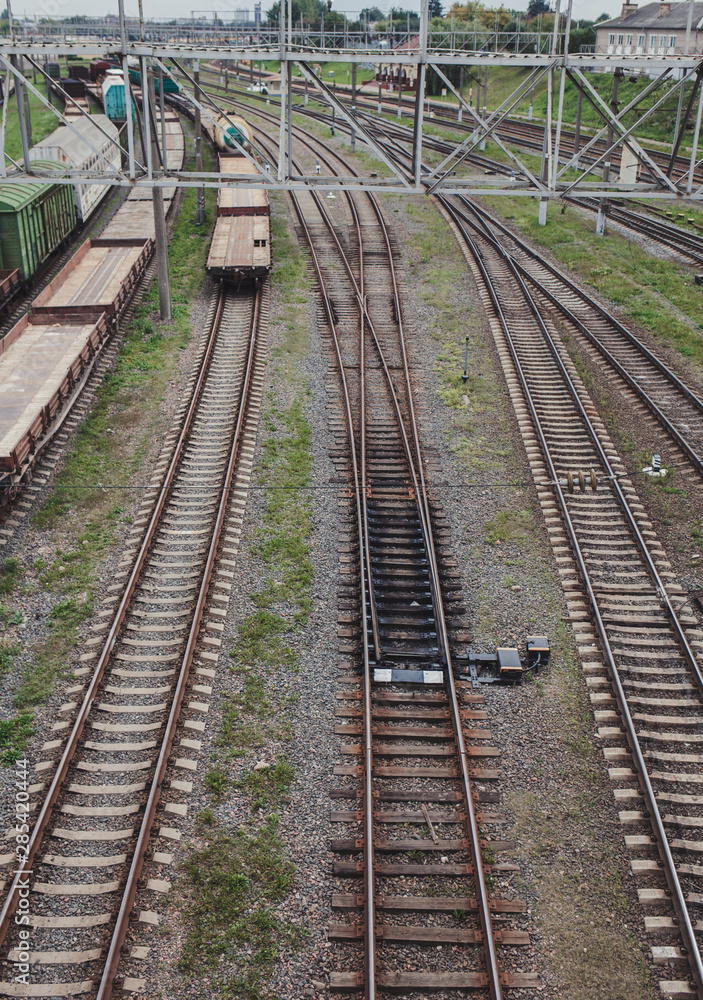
(87, 507)
(234, 878)
(653, 292)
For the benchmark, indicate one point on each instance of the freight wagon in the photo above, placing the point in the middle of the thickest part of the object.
(241, 242)
(35, 219)
(113, 96)
(170, 86)
(76, 151)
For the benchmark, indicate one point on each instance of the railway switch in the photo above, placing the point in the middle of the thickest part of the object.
(537, 651)
(504, 666)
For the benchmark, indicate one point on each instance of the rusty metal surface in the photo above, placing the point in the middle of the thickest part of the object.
(37, 369)
(233, 246)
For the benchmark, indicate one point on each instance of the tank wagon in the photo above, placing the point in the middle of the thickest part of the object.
(241, 241)
(76, 151)
(35, 219)
(233, 134)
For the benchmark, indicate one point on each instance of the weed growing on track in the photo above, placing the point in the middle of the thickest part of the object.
(86, 505)
(232, 883)
(11, 572)
(14, 736)
(510, 526)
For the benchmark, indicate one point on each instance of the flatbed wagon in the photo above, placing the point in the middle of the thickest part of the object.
(240, 248)
(41, 366)
(99, 278)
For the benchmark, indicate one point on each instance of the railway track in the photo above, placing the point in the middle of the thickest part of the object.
(675, 408)
(421, 744)
(638, 637)
(96, 855)
(628, 363)
(528, 135)
(687, 246)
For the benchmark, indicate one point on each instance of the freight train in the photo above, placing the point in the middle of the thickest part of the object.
(241, 241)
(37, 219)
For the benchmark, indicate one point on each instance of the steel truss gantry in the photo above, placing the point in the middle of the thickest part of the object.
(563, 168)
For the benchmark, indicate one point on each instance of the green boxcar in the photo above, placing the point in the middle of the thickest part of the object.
(170, 86)
(34, 220)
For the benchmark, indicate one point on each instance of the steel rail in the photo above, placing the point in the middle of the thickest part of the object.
(359, 492)
(492, 971)
(485, 918)
(677, 892)
(417, 475)
(130, 891)
(47, 809)
(668, 426)
(591, 302)
(365, 578)
(641, 544)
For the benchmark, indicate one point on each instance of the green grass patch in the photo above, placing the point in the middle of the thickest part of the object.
(228, 890)
(11, 573)
(14, 736)
(510, 526)
(8, 652)
(267, 785)
(655, 293)
(261, 639)
(50, 661)
(217, 782)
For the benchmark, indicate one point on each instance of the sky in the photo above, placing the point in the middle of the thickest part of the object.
(182, 8)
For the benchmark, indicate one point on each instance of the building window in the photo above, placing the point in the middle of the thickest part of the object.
(640, 40)
(662, 41)
(629, 40)
(672, 41)
(620, 38)
(611, 40)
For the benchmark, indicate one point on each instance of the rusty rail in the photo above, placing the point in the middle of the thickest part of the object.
(47, 810)
(138, 857)
(415, 467)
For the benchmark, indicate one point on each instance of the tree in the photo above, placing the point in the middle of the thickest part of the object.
(371, 14)
(582, 33)
(435, 8)
(536, 7)
(603, 17)
(310, 9)
(466, 12)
